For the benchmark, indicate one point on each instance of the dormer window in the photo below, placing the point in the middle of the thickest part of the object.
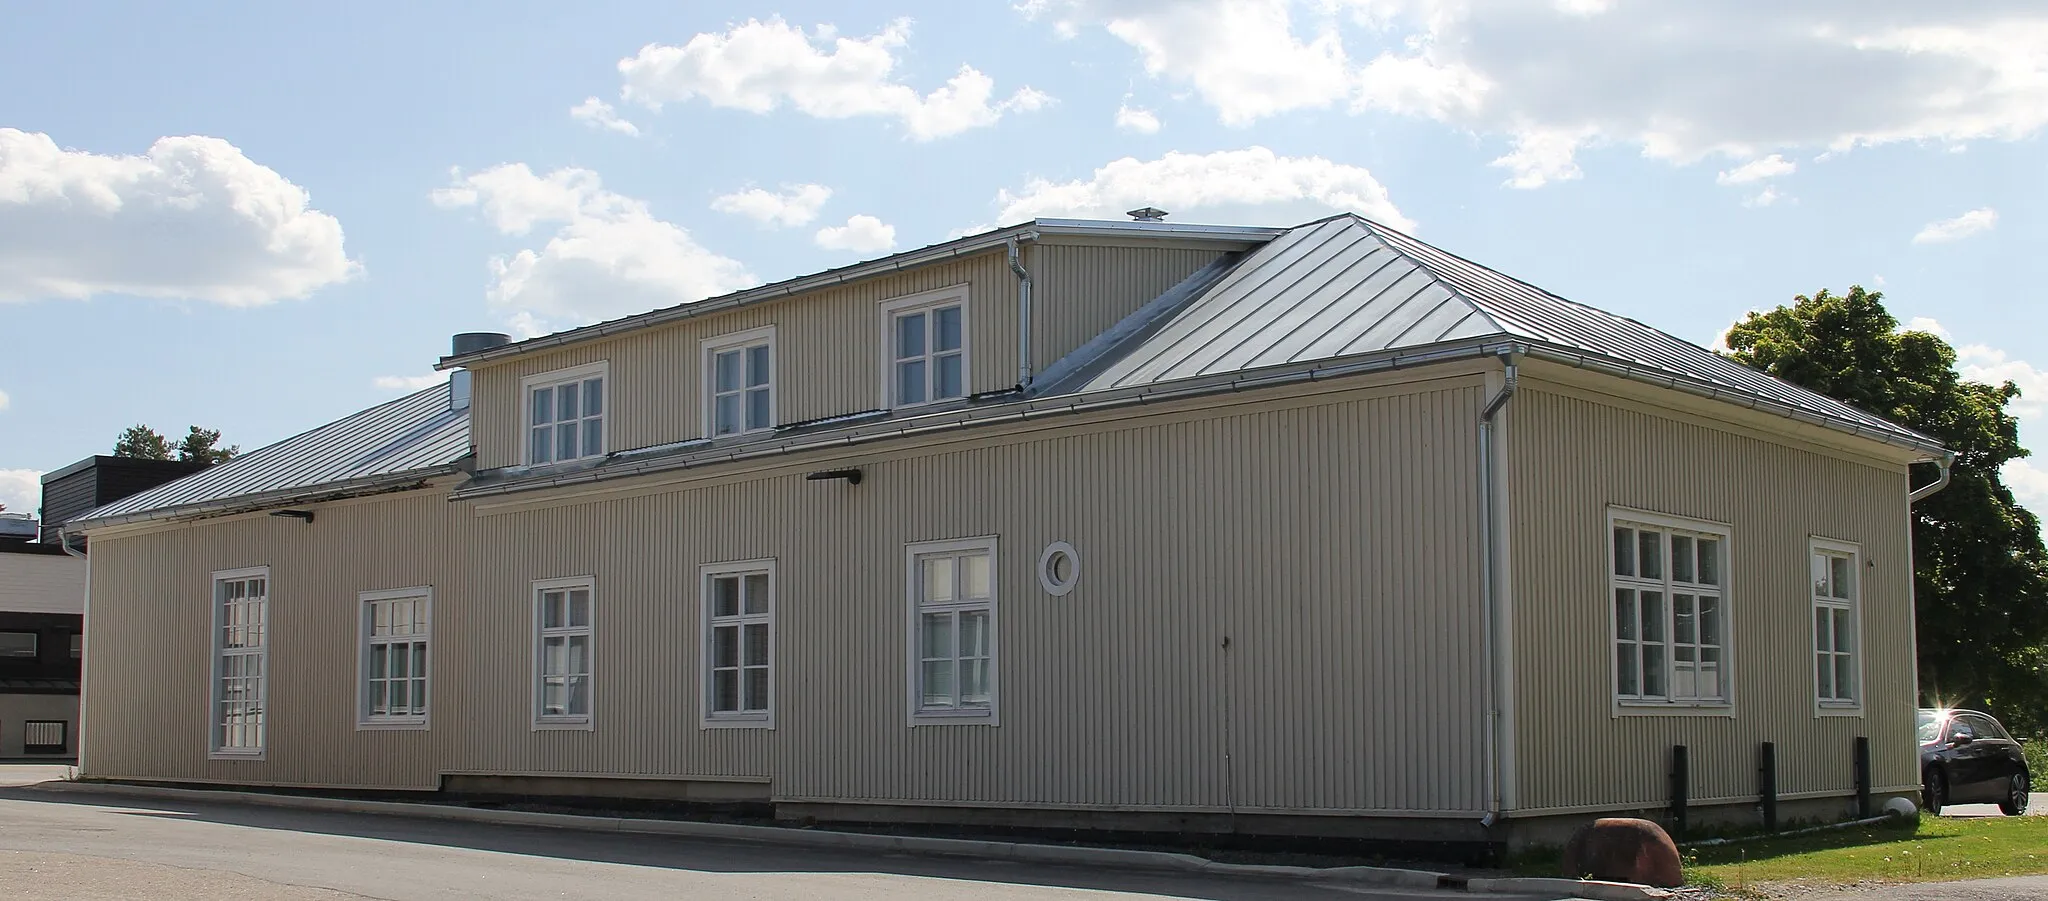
(739, 379)
(565, 414)
(927, 341)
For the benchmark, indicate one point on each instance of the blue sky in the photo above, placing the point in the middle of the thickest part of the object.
(259, 217)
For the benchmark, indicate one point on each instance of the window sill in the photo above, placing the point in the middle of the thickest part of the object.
(1824, 708)
(1674, 708)
(737, 722)
(418, 724)
(953, 718)
(565, 724)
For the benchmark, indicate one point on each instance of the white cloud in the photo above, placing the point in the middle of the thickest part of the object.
(1971, 223)
(409, 383)
(792, 206)
(5, 401)
(1922, 323)
(1182, 182)
(860, 234)
(599, 114)
(1136, 120)
(1757, 170)
(191, 218)
(1980, 363)
(608, 256)
(21, 490)
(1769, 195)
(1679, 81)
(761, 66)
(2028, 480)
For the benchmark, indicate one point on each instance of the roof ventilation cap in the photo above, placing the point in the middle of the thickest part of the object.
(1147, 214)
(471, 342)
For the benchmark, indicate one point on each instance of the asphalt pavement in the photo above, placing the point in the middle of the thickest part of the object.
(69, 846)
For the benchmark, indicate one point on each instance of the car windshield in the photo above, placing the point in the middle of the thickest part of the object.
(1928, 727)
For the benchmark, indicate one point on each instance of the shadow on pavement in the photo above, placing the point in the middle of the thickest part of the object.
(703, 855)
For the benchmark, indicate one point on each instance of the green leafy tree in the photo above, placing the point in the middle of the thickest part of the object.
(1980, 571)
(141, 442)
(203, 445)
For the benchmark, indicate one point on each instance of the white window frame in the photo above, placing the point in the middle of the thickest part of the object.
(740, 341)
(955, 295)
(586, 722)
(215, 700)
(709, 621)
(1624, 705)
(1853, 606)
(365, 601)
(555, 378)
(919, 715)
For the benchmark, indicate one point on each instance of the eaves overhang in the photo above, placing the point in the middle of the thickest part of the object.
(867, 429)
(910, 259)
(332, 491)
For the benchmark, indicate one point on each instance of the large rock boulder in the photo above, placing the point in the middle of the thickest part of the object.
(1617, 849)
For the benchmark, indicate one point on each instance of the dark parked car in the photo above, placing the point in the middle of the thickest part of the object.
(1966, 757)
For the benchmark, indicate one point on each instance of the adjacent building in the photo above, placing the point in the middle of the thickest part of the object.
(1121, 525)
(42, 606)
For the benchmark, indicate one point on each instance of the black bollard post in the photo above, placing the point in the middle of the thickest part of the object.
(1862, 777)
(1767, 784)
(1680, 781)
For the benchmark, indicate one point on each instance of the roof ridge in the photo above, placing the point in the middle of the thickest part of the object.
(1382, 231)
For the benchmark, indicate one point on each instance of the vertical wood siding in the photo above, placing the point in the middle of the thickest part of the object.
(829, 342)
(1079, 290)
(1330, 539)
(1571, 457)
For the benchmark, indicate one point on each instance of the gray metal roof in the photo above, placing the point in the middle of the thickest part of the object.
(408, 438)
(1346, 285)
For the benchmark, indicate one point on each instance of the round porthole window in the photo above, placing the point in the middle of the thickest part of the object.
(1059, 568)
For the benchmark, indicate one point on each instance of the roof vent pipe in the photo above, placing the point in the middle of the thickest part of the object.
(1147, 214)
(471, 342)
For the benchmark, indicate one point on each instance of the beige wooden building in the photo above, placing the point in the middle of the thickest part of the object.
(1127, 525)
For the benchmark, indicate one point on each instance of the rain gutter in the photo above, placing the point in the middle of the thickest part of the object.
(328, 491)
(1895, 437)
(1947, 462)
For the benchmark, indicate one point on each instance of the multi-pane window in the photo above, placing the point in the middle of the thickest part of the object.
(241, 599)
(741, 376)
(739, 643)
(562, 647)
(1670, 613)
(953, 632)
(395, 634)
(77, 645)
(1834, 623)
(565, 415)
(928, 356)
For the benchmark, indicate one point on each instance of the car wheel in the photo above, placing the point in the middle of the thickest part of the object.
(1933, 792)
(2015, 803)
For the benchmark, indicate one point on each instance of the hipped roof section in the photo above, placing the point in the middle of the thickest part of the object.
(1346, 286)
(1331, 297)
(393, 444)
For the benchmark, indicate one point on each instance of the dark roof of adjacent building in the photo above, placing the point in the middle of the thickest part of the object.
(1338, 295)
(391, 444)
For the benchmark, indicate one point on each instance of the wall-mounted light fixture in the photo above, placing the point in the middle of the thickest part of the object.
(306, 515)
(852, 476)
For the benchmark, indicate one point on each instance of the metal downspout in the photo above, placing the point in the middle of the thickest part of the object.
(1496, 688)
(1023, 317)
(84, 629)
(1947, 462)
